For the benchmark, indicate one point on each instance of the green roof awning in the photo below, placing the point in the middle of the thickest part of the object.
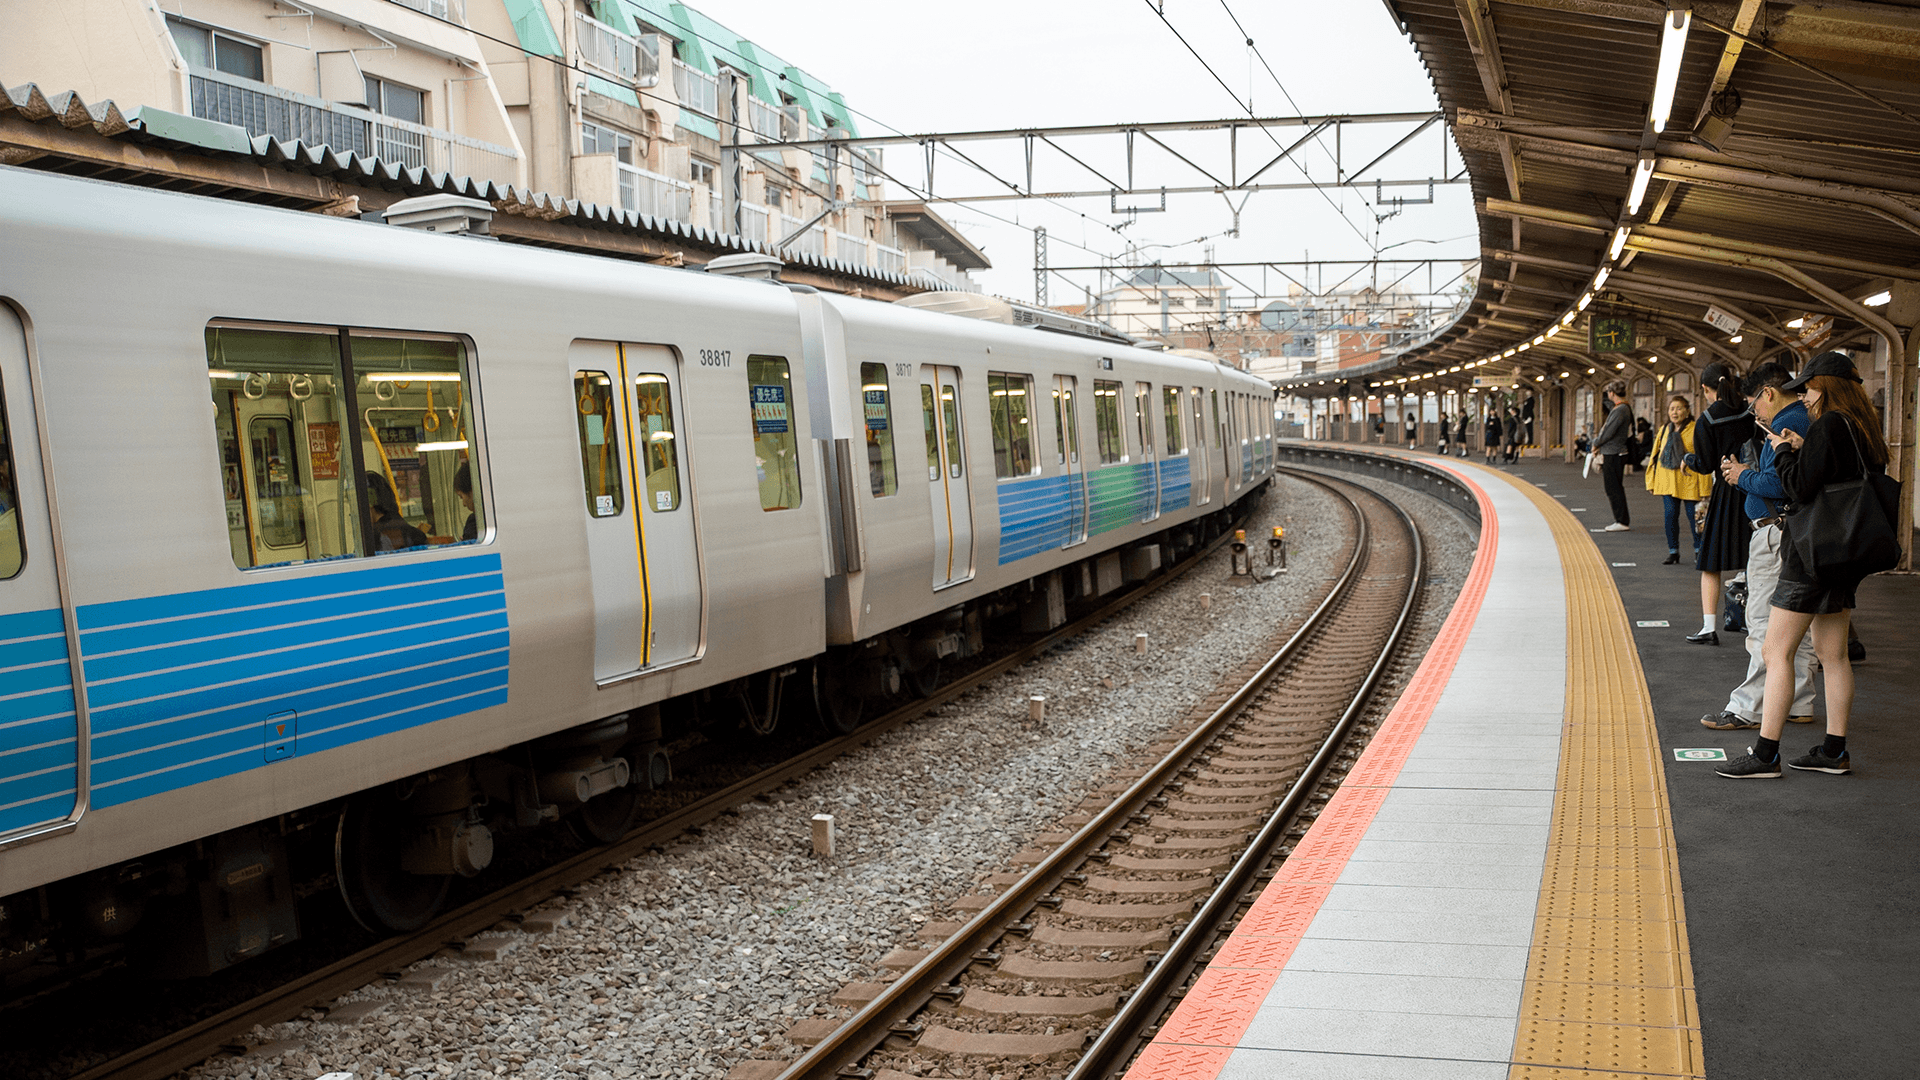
(533, 28)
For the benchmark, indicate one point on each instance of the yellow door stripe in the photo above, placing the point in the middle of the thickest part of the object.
(1609, 989)
(638, 483)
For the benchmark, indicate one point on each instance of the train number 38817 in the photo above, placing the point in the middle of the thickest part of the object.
(716, 358)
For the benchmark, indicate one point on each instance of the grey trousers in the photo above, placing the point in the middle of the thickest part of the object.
(1763, 577)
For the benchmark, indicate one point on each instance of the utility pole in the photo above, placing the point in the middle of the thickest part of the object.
(731, 167)
(1040, 266)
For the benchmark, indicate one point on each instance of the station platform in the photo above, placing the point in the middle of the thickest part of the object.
(1520, 878)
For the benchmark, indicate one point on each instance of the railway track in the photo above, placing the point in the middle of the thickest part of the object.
(1079, 956)
(225, 1031)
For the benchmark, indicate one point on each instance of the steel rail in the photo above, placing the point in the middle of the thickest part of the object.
(868, 1028)
(1121, 1038)
(191, 1045)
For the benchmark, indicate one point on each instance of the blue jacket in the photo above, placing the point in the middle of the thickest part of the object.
(1766, 496)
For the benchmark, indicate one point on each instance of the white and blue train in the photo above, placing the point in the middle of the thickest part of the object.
(344, 541)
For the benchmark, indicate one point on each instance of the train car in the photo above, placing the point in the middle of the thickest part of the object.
(345, 542)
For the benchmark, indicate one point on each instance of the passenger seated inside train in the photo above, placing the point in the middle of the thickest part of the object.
(391, 531)
(463, 487)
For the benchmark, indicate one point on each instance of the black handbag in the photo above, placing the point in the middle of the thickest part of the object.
(1847, 531)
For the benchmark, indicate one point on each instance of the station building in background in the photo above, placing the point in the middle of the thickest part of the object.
(624, 104)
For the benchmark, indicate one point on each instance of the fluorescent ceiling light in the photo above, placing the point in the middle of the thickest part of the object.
(1795, 324)
(1525, 345)
(1737, 338)
(428, 447)
(1885, 296)
(1642, 175)
(1600, 278)
(1690, 350)
(1552, 330)
(1621, 365)
(411, 376)
(1567, 319)
(1585, 299)
(1673, 45)
(1509, 352)
(1619, 241)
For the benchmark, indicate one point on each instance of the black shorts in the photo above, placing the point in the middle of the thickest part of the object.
(1814, 597)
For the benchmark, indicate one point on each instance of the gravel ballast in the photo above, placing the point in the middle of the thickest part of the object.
(683, 962)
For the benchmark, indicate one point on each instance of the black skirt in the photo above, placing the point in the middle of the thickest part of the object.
(1723, 546)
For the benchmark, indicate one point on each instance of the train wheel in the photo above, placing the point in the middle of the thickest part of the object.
(607, 817)
(924, 682)
(834, 700)
(380, 894)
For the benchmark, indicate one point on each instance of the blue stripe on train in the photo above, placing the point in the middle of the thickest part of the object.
(38, 776)
(1036, 513)
(182, 685)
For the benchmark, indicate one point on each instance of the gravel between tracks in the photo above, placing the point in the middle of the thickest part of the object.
(681, 963)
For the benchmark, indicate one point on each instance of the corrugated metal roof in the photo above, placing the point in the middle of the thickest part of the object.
(225, 141)
(1828, 93)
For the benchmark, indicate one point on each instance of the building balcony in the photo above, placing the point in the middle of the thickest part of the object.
(632, 61)
(287, 115)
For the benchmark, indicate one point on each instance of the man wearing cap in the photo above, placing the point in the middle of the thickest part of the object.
(1777, 410)
(1612, 446)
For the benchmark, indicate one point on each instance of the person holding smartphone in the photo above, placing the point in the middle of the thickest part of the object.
(1614, 444)
(1722, 430)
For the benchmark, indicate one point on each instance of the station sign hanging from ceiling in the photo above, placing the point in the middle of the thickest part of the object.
(1721, 321)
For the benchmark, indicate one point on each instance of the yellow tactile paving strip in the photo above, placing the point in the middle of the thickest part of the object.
(1609, 988)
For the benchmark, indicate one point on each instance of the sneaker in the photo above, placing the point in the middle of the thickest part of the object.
(1748, 767)
(1615, 527)
(1727, 721)
(1816, 760)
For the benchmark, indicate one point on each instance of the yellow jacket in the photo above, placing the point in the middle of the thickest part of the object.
(1681, 483)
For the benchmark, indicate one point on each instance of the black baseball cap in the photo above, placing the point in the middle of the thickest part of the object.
(1836, 364)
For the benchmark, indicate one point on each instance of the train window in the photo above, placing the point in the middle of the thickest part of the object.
(597, 417)
(13, 550)
(334, 447)
(1009, 403)
(1221, 438)
(1199, 420)
(950, 423)
(1066, 422)
(416, 440)
(1143, 417)
(280, 411)
(1106, 421)
(659, 454)
(776, 453)
(878, 411)
(1170, 408)
(930, 417)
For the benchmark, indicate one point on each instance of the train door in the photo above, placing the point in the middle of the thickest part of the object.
(40, 728)
(1066, 430)
(1143, 422)
(641, 543)
(1201, 455)
(947, 476)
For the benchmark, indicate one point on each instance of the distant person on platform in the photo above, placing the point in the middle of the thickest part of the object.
(1413, 431)
(1491, 435)
(1613, 446)
(1380, 431)
(1510, 431)
(1446, 430)
(1725, 429)
(1460, 433)
(1776, 410)
(1679, 488)
(1842, 443)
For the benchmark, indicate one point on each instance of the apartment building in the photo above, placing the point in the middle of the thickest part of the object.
(634, 105)
(1160, 303)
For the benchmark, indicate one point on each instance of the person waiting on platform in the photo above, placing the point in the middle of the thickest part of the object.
(1460, 433)
(1413, 431)
(463, 487)
(1842, 443)
(1380, 430)
(1613, 446)
(390, 531)
(1765, 506)
(1668, 477)
(1445, 430)
(1492, 434)
(1582, 444)
(1723, 430)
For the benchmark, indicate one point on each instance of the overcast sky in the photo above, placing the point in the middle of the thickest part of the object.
(1011, 63)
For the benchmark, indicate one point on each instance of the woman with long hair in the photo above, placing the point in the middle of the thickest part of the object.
(1492, 428)
(1843, 443)
(1668, 477)
(1721, 431)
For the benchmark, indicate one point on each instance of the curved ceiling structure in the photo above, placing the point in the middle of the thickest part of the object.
(1635, 164)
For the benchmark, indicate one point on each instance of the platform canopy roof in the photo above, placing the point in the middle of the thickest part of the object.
(1782, 188)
